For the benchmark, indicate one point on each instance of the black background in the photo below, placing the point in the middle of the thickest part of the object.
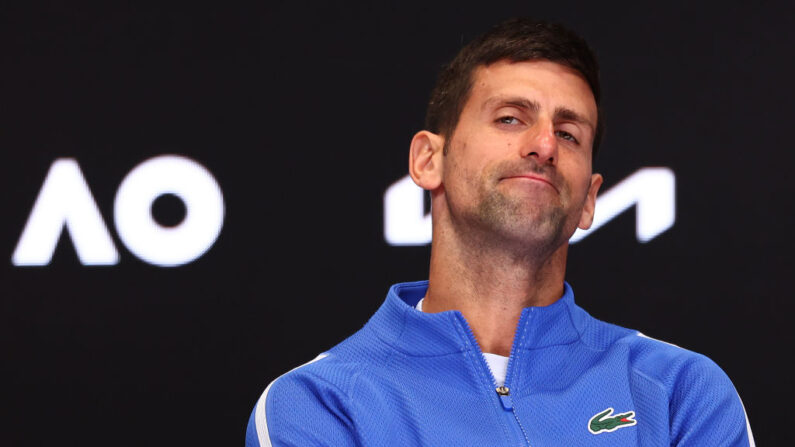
(303, 112)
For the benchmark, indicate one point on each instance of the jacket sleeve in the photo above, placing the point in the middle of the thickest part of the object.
(300, 409)
(706, 410)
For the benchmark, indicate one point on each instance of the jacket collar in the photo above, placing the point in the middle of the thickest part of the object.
(416, 333)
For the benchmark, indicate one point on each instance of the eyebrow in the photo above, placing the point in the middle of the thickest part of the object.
(570, 115)
(561, 113)
(521, 103)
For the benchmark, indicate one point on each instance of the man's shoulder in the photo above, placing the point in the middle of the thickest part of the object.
(656, 360)
(315, 395)
(677, 373)
(673, 366)
(339, 366)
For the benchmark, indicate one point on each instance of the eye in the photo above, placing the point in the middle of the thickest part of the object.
(566, 136)
(508, 120)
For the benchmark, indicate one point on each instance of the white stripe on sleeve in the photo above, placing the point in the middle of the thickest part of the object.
(260, 417)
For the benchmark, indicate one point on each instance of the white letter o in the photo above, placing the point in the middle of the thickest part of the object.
(198, 190)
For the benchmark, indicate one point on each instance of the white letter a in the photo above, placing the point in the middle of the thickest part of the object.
(65, 199)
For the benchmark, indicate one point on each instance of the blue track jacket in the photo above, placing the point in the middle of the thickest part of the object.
(409, 378)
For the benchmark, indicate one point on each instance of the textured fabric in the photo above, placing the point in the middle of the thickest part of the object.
(409, 378)
(498, 364)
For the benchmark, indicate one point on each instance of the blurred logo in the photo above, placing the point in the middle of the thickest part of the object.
(65, 200)
(652, 191)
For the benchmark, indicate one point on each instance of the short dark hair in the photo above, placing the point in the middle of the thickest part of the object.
(515, 40)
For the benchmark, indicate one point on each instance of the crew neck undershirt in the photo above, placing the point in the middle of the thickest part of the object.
(498, 364)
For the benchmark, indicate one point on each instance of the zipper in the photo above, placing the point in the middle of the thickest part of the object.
(505, 398)
(503, 392)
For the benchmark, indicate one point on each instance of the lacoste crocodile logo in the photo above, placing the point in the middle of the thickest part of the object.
(605, 422)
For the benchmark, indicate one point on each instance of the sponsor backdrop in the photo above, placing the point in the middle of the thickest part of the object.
(197, 199)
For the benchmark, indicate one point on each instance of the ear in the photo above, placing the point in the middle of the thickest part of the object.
(586, 218)
(426, 159)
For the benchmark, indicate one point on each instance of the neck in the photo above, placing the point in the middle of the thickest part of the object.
(490, 284)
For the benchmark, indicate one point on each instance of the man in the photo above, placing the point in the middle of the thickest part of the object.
(492, 350)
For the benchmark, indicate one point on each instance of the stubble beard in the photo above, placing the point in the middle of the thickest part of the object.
(537, 224)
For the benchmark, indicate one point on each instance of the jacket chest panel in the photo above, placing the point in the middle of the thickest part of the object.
(572, 395)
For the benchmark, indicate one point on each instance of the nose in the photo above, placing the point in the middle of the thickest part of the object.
(541, 143)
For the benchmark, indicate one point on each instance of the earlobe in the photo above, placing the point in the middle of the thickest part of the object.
(425, 159)
(588, 209)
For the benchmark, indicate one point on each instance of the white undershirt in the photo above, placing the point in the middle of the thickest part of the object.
(498, 364)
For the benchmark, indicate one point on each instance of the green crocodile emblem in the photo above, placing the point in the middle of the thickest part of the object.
(605, 422)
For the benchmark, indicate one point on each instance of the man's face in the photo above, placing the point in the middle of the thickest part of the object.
(519, 160)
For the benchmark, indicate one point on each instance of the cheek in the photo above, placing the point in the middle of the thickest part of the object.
(579, 184)
(460, 165)
(585, 187)
(472, 163)
(456, 177)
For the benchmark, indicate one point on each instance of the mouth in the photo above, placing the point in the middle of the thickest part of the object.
(531, 178)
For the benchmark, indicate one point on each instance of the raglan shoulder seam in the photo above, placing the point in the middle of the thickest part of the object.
(260, 411)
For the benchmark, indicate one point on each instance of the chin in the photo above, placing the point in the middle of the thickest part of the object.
(532, 234)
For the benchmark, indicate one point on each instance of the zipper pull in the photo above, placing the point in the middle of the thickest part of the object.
(505, 397)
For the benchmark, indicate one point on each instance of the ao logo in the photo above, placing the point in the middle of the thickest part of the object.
(65, 200)
(651, 190)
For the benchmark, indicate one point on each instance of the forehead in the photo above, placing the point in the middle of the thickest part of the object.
(548, 83)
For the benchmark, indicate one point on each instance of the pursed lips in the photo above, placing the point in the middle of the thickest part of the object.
(532, 177)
